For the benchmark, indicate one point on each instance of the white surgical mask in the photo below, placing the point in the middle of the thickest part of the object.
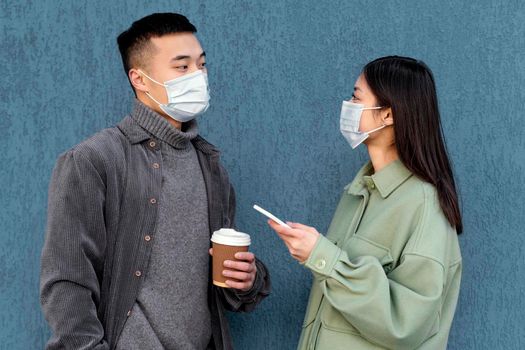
(349, 123)
(188, 96)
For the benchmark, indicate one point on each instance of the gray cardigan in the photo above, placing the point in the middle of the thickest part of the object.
(103, 204)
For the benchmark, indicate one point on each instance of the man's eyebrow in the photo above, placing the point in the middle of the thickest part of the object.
(185, 57)
(180, 57)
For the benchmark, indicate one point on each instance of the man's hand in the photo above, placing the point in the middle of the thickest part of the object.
(300, 239)
(242, 272)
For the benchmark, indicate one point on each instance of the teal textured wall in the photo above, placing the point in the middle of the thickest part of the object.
(278, 72)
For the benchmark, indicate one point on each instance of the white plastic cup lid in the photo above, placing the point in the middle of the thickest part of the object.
(228, 236)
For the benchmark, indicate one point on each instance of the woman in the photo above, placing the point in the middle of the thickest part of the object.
(387, 273)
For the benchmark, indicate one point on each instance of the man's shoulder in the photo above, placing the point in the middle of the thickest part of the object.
(105, 147)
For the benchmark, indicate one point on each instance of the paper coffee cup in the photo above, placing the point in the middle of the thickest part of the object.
(226, 242)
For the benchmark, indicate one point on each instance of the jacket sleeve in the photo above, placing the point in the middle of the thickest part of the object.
(236, 300)
(398, 310)
(73, 255)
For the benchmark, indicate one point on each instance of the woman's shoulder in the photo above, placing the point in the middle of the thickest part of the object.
(433, 236)
(414, 194)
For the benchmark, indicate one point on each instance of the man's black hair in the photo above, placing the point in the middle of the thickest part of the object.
(134, 44)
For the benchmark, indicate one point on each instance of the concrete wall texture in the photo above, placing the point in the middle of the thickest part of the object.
(278, 73)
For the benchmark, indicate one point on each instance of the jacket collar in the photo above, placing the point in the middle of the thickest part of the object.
(386, 181)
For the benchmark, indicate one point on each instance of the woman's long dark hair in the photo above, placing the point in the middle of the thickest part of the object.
(407, 86)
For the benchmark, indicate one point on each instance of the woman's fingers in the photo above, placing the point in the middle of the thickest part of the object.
(281, 230)
(298, 226)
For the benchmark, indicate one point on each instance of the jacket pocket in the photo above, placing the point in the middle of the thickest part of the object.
(358, 246)
(314, 302)
(355, 247)
(342, 340)
(334, 320)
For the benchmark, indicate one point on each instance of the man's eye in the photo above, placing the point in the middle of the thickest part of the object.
(182, 67)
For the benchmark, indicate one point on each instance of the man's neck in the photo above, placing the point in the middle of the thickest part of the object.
(155, 107)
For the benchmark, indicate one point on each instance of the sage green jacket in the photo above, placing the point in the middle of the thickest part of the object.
(388, 272)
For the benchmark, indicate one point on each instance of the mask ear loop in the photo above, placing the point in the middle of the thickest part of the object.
(157, 102)
(376, 129)
(150, 78)
(156, 82)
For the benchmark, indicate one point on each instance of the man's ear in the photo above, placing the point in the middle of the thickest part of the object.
(137, 80)
(388, 117)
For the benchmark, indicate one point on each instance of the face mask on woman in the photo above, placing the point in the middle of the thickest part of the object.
(349, 123)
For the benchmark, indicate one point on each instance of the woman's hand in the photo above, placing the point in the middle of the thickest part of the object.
(300, 239)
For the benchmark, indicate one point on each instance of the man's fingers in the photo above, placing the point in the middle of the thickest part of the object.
(245, 256)
(240, 276)
(239, 285)
(210, 251)
(239, 265)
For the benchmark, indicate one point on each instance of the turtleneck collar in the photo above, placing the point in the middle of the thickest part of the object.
(160, 128)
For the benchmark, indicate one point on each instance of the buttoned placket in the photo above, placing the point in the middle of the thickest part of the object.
(357, 189)
(155, 160)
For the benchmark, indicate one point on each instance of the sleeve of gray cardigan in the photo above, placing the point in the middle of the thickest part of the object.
(73, 255)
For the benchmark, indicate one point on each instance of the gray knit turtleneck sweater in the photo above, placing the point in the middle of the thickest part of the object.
(171, 311)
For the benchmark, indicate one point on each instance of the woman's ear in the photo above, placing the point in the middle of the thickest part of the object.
(137, 80)
(387, 117)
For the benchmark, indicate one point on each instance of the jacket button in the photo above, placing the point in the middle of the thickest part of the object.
(138, 273)
(156, 165)
(147, 238)
(152, 144)
(129, 313)
(320, 264)
(153, 201)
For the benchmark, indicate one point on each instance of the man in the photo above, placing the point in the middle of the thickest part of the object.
(125, 263)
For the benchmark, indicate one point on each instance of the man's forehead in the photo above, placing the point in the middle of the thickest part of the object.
(178, 44)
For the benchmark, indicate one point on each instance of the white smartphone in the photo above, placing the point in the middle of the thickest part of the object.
(270, 215)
